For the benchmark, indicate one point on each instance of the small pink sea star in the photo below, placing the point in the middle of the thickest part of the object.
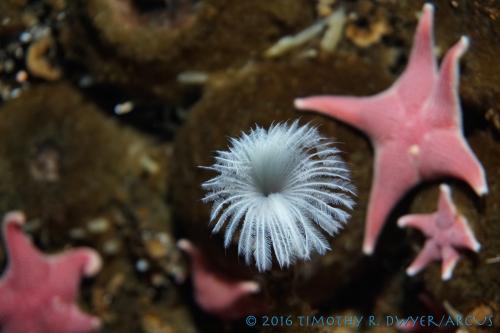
(38, 292)
(415, 127)
(445, 230)
(215, 293)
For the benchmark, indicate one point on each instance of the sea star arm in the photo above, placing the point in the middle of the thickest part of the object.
(347, 109)
(15, 327)
(446, 91)
(413, 85)
(214, 292)
(5, 299)
(462, 236)
(450, 260)
(373, 115)
(67, 318)
(452, 156)
(429, 253)
(56, 316)
(81, 261)
(386, 190)
(459, 232)
(70, 265)
(446, 208)
(418, 221)
(26, 266)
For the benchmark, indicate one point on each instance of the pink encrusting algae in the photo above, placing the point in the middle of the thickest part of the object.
(217, 294)
(415, 127)
(38, 292)
(446, 231)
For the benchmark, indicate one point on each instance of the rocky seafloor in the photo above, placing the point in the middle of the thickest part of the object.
(109, 107)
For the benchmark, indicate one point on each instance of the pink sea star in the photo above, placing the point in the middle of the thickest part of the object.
(215, 293)
(415, 127)
(445, 230)
(38, 292)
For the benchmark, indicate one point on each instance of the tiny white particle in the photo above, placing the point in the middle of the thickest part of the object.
(192, 77)
(25, 37)
(15, 93)
(124, 108)
(21, 76)
(142, 265)
(9, 66)
(85, 81)
(414, 150)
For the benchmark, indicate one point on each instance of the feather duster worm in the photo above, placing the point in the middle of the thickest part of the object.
(279, 184)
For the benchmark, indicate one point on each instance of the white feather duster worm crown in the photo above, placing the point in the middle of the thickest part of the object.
(279, 185)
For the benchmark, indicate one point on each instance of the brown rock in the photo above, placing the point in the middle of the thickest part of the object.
(118, 40)
(65, 162)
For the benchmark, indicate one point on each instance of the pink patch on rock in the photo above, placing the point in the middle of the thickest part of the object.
(446, 231)
(217, 294)
(38, 292)
(415, 127)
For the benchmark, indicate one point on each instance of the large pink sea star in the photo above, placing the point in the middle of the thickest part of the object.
(445, 230)
(415, 127)
(216, 293)
(38, 292)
